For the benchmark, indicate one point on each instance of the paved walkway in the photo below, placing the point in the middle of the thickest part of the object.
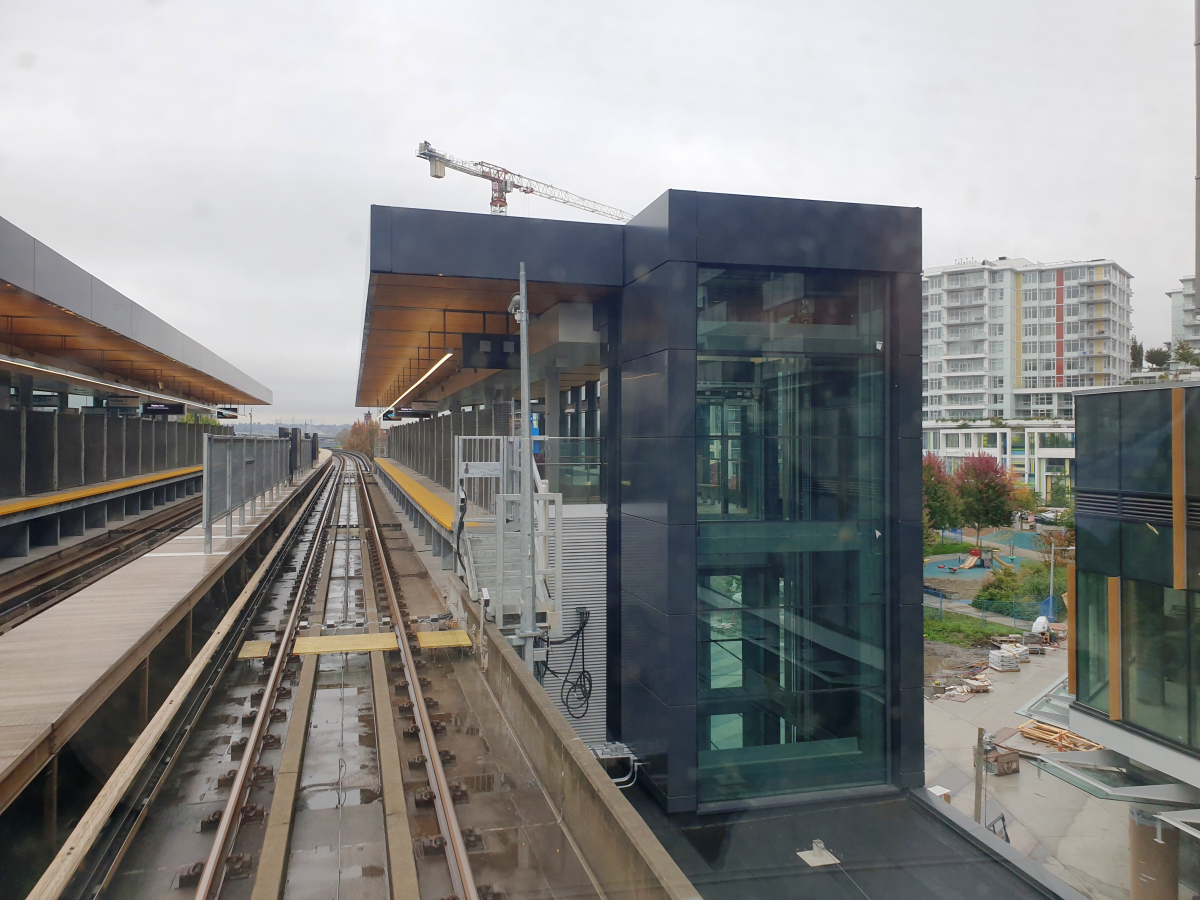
(1080, 839)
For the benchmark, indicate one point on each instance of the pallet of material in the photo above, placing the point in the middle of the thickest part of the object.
(1056, 738)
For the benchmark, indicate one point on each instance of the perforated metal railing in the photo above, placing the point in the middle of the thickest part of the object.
(241, 471)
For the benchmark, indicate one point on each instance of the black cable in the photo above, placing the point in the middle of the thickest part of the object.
(574, 692)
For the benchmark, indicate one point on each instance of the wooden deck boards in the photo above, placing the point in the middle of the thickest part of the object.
(53, 664)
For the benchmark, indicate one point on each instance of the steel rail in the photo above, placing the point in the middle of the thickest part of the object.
(456, 848)
(214, 867)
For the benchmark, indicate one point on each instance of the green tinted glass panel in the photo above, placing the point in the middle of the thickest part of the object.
(792, 664)
(1091, 623)
(1098, 544)
(1145, 441)
(1096, 423)
(1147, 552)
(1154, 658)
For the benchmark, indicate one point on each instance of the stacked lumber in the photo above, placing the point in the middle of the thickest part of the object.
(1056, 738)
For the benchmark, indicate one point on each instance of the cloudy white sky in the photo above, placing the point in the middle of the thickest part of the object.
(215, 161)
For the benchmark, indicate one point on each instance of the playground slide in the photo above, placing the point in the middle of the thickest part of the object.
(1003, 562)
(972, 562)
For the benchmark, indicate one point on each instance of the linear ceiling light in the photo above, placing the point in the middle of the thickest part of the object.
(417, 384)
(11, 362)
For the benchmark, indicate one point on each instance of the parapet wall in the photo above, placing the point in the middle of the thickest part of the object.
(626, 859)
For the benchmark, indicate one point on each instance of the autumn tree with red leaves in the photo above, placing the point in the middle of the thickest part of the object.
(985, 493)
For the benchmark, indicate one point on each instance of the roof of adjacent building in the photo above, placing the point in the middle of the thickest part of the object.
(1018, 263)
(56, 313)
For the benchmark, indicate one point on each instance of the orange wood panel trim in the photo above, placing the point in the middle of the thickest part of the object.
(1072, 644)
(1178, 490)
(1114, 648)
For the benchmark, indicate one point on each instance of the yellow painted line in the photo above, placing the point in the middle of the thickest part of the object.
(433, 640)
(435, 507)
(345, 643)
(1178, 491)
(42, 500)
(254, 650)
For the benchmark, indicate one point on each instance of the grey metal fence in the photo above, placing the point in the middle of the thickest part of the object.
(239, 470)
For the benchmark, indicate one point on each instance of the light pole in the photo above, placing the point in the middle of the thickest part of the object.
(519, 307)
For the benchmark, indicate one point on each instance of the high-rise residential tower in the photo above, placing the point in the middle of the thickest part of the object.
(1010, 338)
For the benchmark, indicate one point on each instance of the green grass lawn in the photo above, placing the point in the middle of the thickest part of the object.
(948, 547)
(960, 630)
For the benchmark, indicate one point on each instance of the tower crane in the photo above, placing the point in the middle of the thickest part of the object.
(504, 181)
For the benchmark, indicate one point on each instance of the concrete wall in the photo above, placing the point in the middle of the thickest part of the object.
(133, 446)
(624, 855)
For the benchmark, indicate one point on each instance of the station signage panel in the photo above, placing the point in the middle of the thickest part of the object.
(162, 409)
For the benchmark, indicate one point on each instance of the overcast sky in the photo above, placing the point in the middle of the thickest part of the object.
(215, 161)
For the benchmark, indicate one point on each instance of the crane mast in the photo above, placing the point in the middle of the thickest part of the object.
(503, 182)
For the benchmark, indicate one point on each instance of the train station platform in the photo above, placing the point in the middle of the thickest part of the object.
(58, 669)
(429, 504)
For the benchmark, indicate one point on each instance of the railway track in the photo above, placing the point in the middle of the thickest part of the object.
(317, 775)
(36, 586)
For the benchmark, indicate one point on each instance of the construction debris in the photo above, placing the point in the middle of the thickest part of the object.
(1059, 739)
(963, 691)
(1003, 661)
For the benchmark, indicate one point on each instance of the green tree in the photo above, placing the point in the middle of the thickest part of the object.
(1160, 356)
(941, 503)
(1184, 353)
(985, 493)
(1136, 351)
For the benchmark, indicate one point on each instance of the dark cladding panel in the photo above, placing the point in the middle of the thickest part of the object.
(116, 447)
(70, 451)
(658, 395)
(93, 449)
(664, 230)
(658, 479)
(770, 231)
(658, 564)
(10, 446)
(658, 311)
(429, 242)
(133, 445)
(39, 451)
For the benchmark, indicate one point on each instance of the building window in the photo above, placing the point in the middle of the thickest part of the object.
(996, 312)
(1091, 620)
(1048, 277)
(997, 278)
(1056, 440)
(1047, 312)
(1154, 658)
(742, 310)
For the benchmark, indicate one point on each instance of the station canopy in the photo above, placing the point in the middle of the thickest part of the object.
(71, 331)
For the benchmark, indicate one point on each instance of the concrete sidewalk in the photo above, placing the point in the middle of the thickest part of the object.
(1080, 839)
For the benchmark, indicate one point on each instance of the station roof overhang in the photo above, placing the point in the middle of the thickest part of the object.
(72, 331)
(435, 276)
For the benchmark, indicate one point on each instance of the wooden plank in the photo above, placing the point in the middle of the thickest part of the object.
(434, 640)
(345, 643)
(273, 858)
(254, 650)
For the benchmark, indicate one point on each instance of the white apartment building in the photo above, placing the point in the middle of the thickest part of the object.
(1185, 318)
(1040, 453)
(1011, 339)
